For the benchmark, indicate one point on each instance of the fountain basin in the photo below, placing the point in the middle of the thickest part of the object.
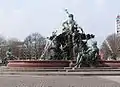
(56, 63)
(110, 63)
(38, 63)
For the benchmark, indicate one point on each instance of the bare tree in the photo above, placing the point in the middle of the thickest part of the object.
(2, 46)
(2, 40)
(34, 43)
(15, 45)
(32, 46)
(111, 46)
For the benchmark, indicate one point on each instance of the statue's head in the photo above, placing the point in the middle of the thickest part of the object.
(71, 17)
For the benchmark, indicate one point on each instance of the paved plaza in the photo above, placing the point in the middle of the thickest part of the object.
(58, 81)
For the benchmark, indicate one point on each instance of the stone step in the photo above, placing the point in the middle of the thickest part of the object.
(57, 70)
(63, 73)
(34, 67)
(33, 70)
(5, 67)
(93, 68)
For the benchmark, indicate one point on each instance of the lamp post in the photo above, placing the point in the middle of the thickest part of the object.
(118, 24)
(118, 31)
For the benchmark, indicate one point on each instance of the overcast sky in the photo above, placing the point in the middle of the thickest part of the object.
(19, 18)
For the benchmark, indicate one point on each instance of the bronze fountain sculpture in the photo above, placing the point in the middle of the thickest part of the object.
(71, 44)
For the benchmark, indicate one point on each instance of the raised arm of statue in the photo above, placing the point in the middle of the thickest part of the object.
(66, 11)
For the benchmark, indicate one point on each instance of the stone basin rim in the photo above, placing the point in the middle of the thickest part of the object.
(38, 63)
